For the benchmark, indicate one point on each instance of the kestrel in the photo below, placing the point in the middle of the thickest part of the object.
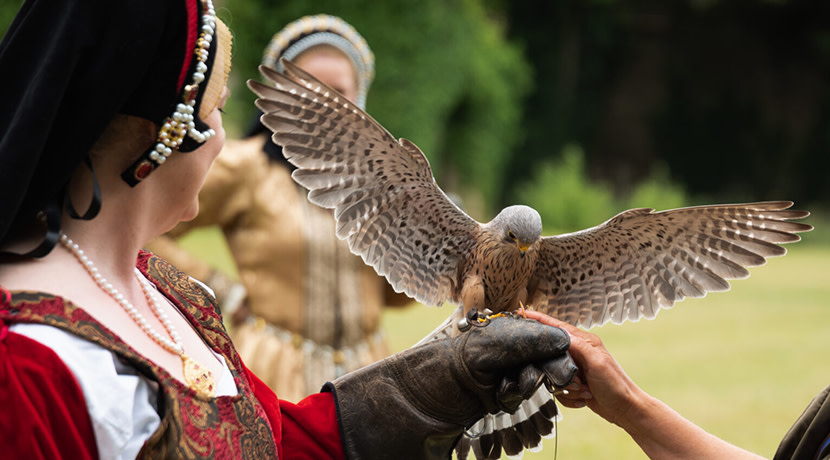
(389, 208)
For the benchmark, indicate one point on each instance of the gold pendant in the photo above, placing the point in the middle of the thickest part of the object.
(197, 377)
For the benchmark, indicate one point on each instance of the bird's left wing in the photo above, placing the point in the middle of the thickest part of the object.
(640, 261)
(385, 199)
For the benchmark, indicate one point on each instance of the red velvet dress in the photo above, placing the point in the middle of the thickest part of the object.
(43, 414)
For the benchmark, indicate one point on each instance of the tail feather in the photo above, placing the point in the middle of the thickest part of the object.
(512, 433)
(511, 442)
(543, 425)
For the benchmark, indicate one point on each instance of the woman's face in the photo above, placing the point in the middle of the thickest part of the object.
(189, 170)
(332, 68)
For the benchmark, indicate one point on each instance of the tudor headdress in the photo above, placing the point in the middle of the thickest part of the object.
(322, 29)
(69, 66)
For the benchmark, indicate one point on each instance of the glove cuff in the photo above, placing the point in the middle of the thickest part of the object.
(378, 421)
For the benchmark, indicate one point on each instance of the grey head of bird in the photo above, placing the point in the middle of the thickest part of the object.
(517, 225)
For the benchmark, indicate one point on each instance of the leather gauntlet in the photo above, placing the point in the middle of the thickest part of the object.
(415, 404)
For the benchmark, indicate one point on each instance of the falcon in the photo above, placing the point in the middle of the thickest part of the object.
(393, 214)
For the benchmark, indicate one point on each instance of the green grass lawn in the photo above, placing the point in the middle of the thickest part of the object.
(742, 364)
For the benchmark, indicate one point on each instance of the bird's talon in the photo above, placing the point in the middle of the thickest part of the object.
(474, 318)
(489, 317)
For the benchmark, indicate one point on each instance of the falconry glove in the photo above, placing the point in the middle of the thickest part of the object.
(417, 403)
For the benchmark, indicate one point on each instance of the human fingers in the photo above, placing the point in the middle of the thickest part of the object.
(550, 321)
(586, 349)
(588, 339)
(572, 331)
(575, 395)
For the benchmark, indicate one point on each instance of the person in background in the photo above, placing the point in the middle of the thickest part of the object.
(110, 118)
(305, 310)
(604, 387)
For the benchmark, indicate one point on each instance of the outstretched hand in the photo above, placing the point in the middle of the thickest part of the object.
(601, 384)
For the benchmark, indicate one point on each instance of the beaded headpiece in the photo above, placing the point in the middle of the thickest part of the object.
(323, 29)
(185, 129)
(165, 61)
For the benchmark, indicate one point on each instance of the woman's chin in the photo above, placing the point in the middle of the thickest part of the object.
(189, 214)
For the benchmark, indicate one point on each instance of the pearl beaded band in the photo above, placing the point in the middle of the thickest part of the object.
(323, 29)
(183, 124)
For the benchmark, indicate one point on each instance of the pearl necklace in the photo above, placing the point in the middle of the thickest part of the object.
(196, 377)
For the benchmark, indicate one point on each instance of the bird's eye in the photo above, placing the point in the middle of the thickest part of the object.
(511, 235)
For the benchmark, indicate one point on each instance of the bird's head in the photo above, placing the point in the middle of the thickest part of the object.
(518, 225)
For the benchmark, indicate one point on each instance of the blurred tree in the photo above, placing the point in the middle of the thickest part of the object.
(565, 199)
(8, 8)
(446, 79)
(747, 107)
(731, 95)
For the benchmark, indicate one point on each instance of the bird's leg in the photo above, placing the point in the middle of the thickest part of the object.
(519, 302)
(522, 310)
(472, 293)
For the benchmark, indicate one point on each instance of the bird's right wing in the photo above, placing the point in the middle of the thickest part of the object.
(385, 199)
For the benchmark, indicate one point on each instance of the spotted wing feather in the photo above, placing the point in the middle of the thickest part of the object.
(640, 261)
(386, 202)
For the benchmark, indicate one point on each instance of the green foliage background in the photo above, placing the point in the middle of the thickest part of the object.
(446, 78)
(707, 101)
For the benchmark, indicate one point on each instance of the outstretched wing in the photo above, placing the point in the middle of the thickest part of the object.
(627, 268)
(385, 199)
(640, 261)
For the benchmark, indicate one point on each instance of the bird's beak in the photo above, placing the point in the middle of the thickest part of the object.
(523, 247)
